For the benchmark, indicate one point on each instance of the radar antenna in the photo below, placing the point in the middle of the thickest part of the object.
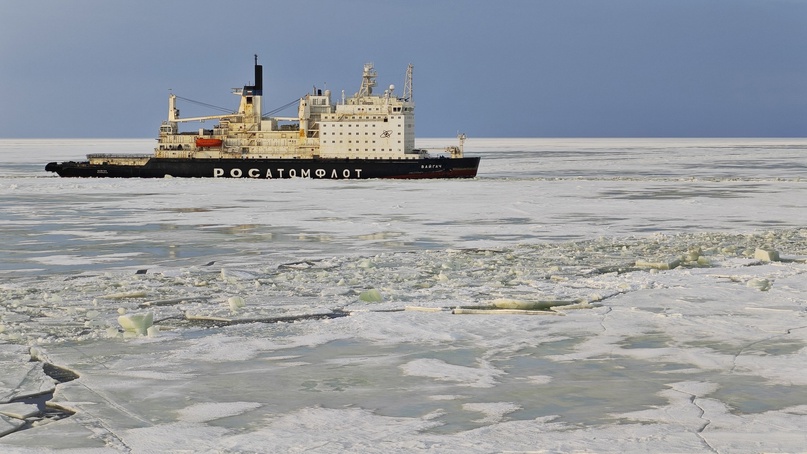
(367, 80)
(407, 91)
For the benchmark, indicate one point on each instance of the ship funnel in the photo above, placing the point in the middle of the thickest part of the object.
(258, 78)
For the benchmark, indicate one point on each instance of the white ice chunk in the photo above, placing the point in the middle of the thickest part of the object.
(22, 378)
(236, 302)
(235, 276)
(423, 309)
(19, 410)
(54, 299)
(9, 424)
(766, 255)
(366, 263)
(370, 296)
(666, 264)
(494, 411)
(136, 323)
(693, 254)
(760, 284)
(124, 295)
(507, 303)
(461, 311)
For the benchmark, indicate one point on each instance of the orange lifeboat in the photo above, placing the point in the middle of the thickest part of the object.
(206, 143)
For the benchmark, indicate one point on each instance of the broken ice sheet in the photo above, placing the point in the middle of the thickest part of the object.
(569, 223)
(19, 410)
(204, 412)
(493, 411)
(9, 424)
(21, 377)
(483, 376)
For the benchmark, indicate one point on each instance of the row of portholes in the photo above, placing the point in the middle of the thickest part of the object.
(341, 125)
(350, 141)
(358, 134)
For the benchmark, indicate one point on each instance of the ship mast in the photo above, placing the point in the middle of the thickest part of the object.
(367, 80)
(407, 91)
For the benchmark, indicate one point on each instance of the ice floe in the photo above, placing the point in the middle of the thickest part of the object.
(401, 316)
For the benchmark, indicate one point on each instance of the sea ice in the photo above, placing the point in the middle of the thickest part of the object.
(204, 412)
(235, 303)
(682, 355)
(484, 376)
(9, 424)
(137, 324)
(19, 410)
(761, 284)
(766, 255)
(493, 411)
(370, 296)
(667, 264)
(22, 378)
(506, 303)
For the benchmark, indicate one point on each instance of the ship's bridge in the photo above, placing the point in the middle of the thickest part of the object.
(369, 126)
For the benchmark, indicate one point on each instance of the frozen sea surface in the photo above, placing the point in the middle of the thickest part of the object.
(600, 295)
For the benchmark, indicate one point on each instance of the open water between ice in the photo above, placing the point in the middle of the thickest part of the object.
(663, 281)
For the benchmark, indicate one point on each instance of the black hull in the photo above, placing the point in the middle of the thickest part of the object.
(353, 169)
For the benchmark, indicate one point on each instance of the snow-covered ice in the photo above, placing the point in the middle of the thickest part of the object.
(398, 316)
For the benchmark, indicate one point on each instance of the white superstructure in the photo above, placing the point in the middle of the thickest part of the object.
(364, 126)
(367, 125)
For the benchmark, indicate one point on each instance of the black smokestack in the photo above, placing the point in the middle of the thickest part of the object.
(258, 77)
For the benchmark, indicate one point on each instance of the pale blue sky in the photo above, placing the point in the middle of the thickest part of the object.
(506, 68)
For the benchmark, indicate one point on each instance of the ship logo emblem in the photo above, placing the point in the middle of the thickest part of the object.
(386, 134)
